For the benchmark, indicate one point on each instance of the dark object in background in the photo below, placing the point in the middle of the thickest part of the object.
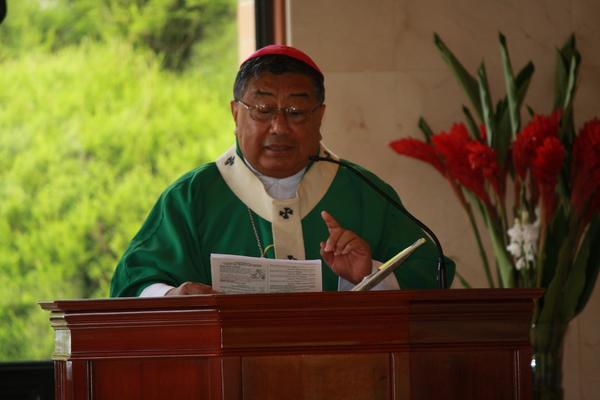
(29, 380)
(2, 10)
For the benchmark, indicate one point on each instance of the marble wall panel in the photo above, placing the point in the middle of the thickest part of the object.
(587, 99)
(358, 113)
(328, 26)
(474, 25)
(585, 16)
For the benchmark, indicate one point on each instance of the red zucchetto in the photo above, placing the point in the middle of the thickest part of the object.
(281, 49)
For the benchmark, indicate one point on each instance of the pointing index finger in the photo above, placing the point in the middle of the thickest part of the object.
(329, 220)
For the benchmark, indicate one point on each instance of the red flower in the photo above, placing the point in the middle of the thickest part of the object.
(585, 170)
(530, 138)
(451, 147)
(484, 159)
(420, 150)
(545, 169)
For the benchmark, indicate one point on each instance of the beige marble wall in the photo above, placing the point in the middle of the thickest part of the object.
(246, 29)
(383, 72)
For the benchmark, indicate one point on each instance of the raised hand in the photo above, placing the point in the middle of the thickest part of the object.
(346, 253)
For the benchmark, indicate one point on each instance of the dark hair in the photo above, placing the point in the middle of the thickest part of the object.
(276, 64)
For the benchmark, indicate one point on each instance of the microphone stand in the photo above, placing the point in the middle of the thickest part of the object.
(441, 267)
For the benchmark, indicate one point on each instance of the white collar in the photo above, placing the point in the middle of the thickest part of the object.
(279, 188)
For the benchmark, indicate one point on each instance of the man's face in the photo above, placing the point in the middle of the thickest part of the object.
(278, 146)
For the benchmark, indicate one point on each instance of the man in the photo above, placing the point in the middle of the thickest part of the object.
(264, 197)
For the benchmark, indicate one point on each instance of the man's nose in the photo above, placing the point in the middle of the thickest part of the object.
(280, 123)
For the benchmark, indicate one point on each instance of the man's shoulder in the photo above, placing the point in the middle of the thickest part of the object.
(203, 171)
(202, 176)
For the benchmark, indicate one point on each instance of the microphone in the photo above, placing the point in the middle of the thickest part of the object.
(441, 267)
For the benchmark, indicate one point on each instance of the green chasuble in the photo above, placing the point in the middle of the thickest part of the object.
(208, 211)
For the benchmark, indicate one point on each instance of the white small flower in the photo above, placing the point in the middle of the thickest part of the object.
(531, 232)
(529, 256)
(516, 232)
(523, 242)
(514, 249)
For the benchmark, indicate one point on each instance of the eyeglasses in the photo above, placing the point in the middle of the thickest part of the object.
(264, 113)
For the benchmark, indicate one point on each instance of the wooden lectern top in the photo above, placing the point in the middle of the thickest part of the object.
(217, 324)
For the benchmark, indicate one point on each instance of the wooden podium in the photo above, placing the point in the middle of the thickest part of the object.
(438, 344)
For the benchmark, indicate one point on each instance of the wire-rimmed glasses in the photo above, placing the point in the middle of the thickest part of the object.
(265, 113)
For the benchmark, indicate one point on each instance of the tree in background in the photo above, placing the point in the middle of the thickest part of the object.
(102, 104)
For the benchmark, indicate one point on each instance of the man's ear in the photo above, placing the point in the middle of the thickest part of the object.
(234, 110)
(320, 112)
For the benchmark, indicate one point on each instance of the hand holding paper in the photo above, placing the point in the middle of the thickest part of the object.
(188, 288)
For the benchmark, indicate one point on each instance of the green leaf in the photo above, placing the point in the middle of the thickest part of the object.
(522, 82)
(567, 128)
(473, 128)
(499, 276)
(561, 78)
(571, 82)
(560, 81)
(502, 132)
(503, 260)
(504, 263)
(576, 280)
(502, 109)
(486, 106)
(593, 264)
(549, 254)
(554, 295)
(466, 80)
(567, 69)
(474, 200)
(462, 280)
(511, 88)
(426, 129)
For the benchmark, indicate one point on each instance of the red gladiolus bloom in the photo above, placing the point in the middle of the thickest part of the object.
(420, 150)
(530, 138)
(545, 169)
(483, 158)
(452, 149)
(585, 170)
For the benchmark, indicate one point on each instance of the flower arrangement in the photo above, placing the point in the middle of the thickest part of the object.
(547, 234)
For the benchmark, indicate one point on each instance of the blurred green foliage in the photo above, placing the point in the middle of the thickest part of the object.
(102, 105)
(171, 28)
